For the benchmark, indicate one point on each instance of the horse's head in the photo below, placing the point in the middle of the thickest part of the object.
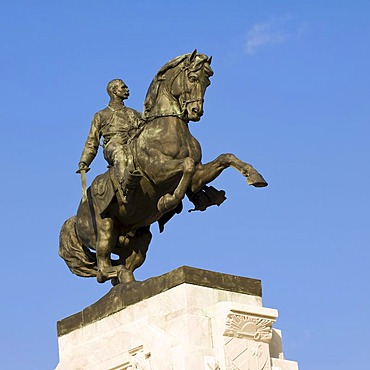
(179, 87)
(189, 86)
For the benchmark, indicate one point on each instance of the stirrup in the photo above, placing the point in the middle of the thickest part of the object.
(132, 180)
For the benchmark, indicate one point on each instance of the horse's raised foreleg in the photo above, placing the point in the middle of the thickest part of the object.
(106, 241)
(205, 173)
(185, 166)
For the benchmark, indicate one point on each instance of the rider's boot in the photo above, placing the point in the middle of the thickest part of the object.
(120, 175)
(122, 193)
(131, 182)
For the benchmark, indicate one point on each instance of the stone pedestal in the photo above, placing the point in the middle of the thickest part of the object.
(188, 319)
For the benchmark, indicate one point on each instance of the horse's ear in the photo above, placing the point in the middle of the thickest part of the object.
(193, 55)
(209, 60)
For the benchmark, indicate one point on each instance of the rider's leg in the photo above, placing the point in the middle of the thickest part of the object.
(119, 164)
(115, 155)
(123, 163)
(128, 178)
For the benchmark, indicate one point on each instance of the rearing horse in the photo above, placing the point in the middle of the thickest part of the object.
(168, 164)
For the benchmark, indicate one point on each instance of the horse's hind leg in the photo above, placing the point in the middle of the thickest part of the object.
(106, 241)
(139, 245)
(132, 253)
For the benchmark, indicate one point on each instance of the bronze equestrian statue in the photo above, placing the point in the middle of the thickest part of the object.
(119, 206)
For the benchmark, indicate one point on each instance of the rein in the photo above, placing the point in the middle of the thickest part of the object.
(151, 118)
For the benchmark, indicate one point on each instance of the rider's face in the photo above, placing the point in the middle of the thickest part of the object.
(122, 91)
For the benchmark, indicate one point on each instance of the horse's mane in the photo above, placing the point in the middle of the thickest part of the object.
(152, 94)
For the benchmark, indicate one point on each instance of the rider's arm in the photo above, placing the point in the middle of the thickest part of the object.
(92, 143)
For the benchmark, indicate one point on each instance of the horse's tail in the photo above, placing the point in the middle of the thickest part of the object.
(80, 260)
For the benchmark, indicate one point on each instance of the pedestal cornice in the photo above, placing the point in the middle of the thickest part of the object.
(123, 295)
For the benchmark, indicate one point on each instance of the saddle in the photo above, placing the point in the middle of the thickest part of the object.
(103, 190)
(105, 186)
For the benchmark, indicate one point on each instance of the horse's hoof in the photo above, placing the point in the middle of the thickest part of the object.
(256, 180)
(101, 278)
(166, 203)
(109, 273)
(125, 276)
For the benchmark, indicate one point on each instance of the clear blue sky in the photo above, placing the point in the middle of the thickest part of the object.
(290, 95)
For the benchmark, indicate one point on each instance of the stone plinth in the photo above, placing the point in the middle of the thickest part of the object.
(188, 319)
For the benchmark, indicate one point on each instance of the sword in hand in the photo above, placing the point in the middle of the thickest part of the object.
(82, 170)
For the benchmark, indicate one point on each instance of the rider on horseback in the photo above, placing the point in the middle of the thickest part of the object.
(117, 124)
(169, 156)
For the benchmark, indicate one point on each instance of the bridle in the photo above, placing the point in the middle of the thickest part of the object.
(184, 98)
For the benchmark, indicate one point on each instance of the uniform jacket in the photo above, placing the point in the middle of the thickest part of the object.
(110, 124)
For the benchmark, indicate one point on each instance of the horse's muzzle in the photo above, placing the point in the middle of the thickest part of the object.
(195, 111)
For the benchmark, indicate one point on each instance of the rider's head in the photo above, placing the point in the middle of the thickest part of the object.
(117, 88)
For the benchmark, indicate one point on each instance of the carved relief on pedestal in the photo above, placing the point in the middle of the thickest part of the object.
(138, 360)
(246, 342)
(210, 363)
(244, 325)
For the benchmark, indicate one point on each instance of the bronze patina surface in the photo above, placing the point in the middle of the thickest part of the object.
(124, 295)
(154, 163)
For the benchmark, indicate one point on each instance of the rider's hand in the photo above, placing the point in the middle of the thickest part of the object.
(82, 166)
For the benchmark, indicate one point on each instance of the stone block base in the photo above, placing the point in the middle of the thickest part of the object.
(188, 319)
